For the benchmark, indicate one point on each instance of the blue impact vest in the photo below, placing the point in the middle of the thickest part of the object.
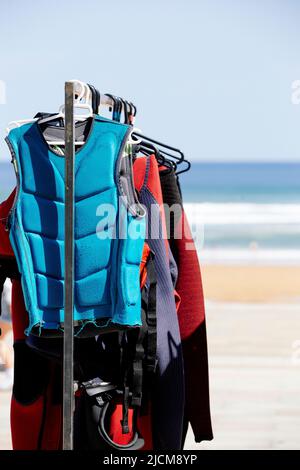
(106, 277)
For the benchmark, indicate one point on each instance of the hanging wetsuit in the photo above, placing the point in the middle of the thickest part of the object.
(168, 400)
(35, 406)
(191, 313)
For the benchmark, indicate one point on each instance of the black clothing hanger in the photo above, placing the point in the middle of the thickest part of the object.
(173, 149)
(187, 162)
(95, 98)
(149, 149)
(179, 159)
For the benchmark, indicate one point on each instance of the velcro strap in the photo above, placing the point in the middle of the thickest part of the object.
(125, 408)
(151, 360)
(137, 383)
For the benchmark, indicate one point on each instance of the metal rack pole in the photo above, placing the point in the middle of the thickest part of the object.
(68, 379)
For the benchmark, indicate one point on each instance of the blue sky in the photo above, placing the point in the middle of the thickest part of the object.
(211, 77)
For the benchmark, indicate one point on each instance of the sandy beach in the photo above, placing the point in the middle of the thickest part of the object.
(254, 376)
(251, 283)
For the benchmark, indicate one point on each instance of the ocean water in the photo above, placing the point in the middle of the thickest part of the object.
(240, 213)
(245, 213)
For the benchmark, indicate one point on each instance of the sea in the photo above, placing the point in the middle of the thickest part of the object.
(240, 213)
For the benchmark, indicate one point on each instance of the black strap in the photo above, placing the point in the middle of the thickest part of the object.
(145, 361)
(137, 442)
(151, 356)
(95, 98)
(100, 400)
(137, 367)
(138, 348)
(125, 409)
(132, 355)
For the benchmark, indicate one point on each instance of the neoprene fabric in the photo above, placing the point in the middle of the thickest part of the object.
(36, 400)
(36, 403)
(168, 399)
(191, 314)
(106, 266)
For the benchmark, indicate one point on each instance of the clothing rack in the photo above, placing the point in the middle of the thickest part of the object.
(68, 357)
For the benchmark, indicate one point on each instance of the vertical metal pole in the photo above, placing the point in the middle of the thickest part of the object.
(68, 382)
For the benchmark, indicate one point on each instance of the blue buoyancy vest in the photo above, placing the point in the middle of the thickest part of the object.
(106, 278)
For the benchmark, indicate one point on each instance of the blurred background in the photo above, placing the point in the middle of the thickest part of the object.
(219, 79)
